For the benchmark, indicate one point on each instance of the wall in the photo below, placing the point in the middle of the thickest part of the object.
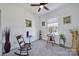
(0, 36)
(13, 16)
(66, 10)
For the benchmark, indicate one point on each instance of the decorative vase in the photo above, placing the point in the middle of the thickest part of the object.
(7, 47)
(27, 33)
(7, 44)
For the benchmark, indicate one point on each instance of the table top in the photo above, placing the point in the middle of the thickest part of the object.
(30, 36)
(49, 35)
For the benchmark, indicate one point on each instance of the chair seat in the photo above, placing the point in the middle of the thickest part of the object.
(24, 47)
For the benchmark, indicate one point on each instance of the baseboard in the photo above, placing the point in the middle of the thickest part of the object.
(65, 47)
(10, 50)
(60, 46)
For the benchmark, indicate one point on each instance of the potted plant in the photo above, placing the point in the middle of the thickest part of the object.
(62, 37)
(7, 44)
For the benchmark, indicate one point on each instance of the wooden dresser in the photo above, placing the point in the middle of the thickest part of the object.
(75, 41)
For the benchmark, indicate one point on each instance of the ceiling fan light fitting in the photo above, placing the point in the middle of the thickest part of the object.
(41, 6)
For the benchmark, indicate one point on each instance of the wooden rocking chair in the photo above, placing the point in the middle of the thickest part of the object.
(24, 47)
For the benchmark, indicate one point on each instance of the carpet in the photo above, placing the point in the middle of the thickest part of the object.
(42, 48)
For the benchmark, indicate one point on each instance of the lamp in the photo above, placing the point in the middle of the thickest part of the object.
(41, 6)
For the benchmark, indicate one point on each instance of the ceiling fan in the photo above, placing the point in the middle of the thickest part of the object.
(41, 5)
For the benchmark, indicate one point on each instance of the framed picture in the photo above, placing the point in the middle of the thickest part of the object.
(67, 19)
(43, 23)
(28, 23)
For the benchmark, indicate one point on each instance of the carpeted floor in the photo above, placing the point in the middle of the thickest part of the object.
(41, 48)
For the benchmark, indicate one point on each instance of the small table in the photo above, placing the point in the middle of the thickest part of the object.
(51, 39)
(29, 41)
(29, 38)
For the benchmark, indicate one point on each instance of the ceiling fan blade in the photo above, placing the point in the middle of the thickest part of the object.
(35, 4)
(46, 8)
(43, 3)
(39, 9)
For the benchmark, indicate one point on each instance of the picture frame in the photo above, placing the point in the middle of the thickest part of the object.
(43, 23)
(28, 23)
(67, 19)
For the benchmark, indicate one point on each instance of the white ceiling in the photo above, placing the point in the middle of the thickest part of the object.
(34, 9)
(51, 6)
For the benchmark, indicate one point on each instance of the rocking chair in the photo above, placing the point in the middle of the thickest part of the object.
(24, 47)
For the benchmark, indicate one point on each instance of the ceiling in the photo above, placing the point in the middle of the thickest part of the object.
(34, 9)
(51, 6)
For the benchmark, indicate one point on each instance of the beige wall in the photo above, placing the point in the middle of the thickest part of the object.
(66, 10)
(13, 16)
(0, 36)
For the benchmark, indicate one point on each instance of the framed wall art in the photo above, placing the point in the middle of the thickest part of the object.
(43, 23)
(67, 19)
(28, 23)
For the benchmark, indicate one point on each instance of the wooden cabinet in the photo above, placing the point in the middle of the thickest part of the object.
(75, 41)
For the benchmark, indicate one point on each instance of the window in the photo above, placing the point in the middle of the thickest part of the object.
(53, 26)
